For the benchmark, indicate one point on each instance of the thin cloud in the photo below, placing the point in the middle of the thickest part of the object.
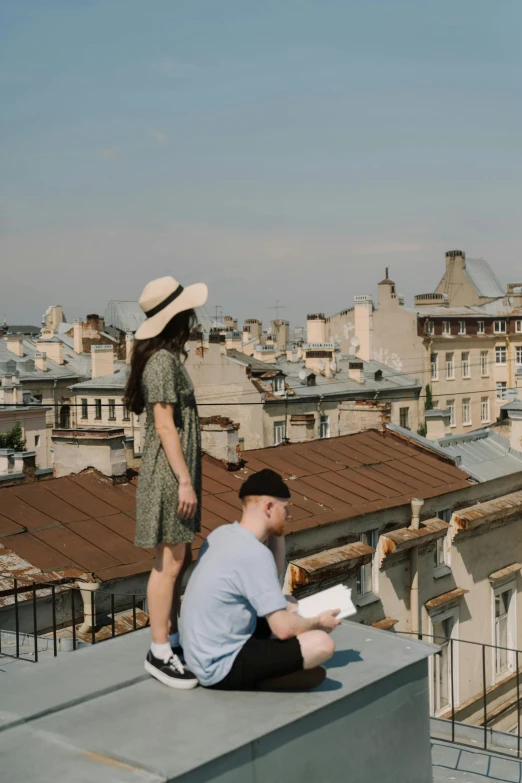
(161, 139)
(110, 154)
(174, 69)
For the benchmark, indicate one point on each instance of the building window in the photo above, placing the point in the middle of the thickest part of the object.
(446, 329)
(480, 327)
(450, 405)
(504, 628)
(499, 327)
(36, 441)
(97, 409)
(518, 354)
(484, 410)
(430, 327)
(404, 418)
(126, 413)
(501, 390)
(439, 554)
(466, 410)
(279, 384)
(465, 364)
(484, 369)
(85, 409)
(434, 362)
(450, 368)
(518, 326)
(365, 573)
(279, 432)
(462, 327)
(500, 354)
(112, 410)
(324, 427)
(444, 629)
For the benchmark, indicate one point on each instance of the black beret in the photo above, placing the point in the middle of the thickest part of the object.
(265, 482)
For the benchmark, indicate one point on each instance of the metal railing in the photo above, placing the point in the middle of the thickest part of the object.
(29, 596)
(477, 713)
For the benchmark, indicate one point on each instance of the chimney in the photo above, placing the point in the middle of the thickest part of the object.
(129, 344)
(233, 340)
(75, 450)
(255, 327)
(40, 360)
(15, 344)
(455, 256)
(281, 334)
(78, 335)
(102, 360)
(52, 348)
(356, 371)
(230, 322)
(220, 439)
(363, 322)
(437, 423)
(316, 328)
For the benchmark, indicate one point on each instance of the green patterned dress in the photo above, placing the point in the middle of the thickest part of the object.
(165, 379)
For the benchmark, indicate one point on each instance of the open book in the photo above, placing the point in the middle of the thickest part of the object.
(338, 597)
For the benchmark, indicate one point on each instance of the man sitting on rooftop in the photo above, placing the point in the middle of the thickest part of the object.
(237, 630)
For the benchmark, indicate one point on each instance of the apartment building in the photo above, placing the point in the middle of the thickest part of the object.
(464, 340)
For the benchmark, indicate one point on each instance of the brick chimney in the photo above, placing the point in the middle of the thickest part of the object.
(15, 344)
(316, 328)
(220, 439)
(102, 359)
(99, 448)
(356, 371)
(78, 335)
(437, 423)
(129, 344)
(40, 361)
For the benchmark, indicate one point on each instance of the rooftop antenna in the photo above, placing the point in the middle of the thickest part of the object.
(277, 307)
(218, 314)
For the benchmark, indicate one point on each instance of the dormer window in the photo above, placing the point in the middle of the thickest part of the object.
(279, 384)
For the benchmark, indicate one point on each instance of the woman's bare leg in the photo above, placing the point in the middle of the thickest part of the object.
(160, 589)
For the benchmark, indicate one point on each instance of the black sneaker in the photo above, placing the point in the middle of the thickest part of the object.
(178, 651)
(171, 672)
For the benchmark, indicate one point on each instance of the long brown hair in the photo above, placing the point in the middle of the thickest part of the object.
(173, 338)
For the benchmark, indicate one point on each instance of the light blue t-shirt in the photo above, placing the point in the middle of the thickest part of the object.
(234, 582)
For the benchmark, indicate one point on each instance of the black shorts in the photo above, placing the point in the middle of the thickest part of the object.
(262, 658)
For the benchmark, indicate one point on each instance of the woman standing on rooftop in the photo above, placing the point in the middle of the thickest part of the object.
(168, 505)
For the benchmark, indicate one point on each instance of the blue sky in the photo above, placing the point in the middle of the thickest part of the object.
(285, 149)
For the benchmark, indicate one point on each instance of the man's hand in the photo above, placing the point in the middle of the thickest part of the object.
(327, 621)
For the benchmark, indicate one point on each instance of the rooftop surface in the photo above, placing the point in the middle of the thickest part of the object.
(459, 764)
(86, 523)
(482, 277)
(484, 454)
(95, 715)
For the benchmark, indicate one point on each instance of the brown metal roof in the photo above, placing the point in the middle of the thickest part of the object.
(87, 524)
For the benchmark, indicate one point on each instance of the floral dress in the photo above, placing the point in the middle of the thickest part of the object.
(165, 379)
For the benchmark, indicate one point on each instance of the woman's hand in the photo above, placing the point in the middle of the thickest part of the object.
(188, 501)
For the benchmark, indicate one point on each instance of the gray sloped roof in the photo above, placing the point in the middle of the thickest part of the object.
(484, 454)
(126, 316)
(483, 278)
(118, 380)
(248, 361)
(25, 329)
(26, 369)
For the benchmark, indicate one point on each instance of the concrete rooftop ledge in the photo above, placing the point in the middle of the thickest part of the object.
(94, 714)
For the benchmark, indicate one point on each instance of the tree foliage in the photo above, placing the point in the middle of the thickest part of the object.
(14, 439)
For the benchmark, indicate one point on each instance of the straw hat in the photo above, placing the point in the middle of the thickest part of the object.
(164, 298)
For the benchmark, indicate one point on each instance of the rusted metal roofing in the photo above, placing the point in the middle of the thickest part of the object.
(329, 564)
(446, 598)
(85, 523)
(498, 510)
(385, 624)
(407, 537)
(497, 576)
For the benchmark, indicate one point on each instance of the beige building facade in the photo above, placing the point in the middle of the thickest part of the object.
(464, 340)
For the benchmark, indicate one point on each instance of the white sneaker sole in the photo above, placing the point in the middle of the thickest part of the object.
(185, 685)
